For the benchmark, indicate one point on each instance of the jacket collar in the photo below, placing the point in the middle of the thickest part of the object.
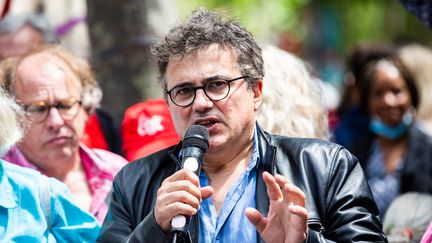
(267, 153)
(266, 162)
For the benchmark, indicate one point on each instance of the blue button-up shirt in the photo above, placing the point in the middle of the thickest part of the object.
(22, 211)
(232, 224)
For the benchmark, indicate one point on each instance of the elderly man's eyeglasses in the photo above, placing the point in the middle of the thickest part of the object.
(215, 90)
(38, 111)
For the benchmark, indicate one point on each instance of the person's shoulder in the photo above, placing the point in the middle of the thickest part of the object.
(156, 158)
(149, 164)
(418, 133)
(305, 143)
(419, 141)
(31, 179)
(110, 157)
(318, 150)
(20, 174)
(103, 159)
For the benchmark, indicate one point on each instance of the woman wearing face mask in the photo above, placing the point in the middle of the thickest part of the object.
(395, 154)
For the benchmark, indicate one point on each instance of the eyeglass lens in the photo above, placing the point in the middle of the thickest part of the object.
(39, 111)
(215, 90)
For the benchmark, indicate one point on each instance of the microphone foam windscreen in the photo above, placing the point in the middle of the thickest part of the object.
(196, 136)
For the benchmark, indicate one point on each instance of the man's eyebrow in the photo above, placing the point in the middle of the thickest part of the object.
(204, 81)
(215, 77)
(185, 83)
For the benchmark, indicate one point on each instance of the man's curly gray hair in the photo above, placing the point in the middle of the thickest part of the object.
(203, 29)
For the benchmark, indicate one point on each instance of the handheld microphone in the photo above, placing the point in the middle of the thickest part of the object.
(195, 144)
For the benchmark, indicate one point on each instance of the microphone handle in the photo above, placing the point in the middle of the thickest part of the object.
(180, 223)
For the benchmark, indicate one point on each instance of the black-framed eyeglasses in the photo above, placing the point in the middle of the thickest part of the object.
(217, 89)
(38, 111)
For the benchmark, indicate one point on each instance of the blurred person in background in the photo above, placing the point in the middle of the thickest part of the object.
(58, 92)
(352, 122)
(395, 154)
(408, 217)
(418, 60)
(19, 33)
(292, 102)
(34, 208)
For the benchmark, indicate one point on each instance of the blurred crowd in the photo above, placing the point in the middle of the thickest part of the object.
(384, 117)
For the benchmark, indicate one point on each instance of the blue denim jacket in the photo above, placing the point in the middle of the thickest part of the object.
(24, 209)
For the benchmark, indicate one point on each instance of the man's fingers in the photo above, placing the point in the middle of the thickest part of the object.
(180, 196)
(256, 219)
(294, 195)
(281, 180)
(179, 208)
(299, 211)
(181, 185)
(273, 189)
(206, 192)
(183, 174)
(291, 193)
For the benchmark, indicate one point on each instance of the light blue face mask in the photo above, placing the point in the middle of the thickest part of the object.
(380, 128)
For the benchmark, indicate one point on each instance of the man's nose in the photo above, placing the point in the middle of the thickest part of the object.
(54, 119)
(202, 101)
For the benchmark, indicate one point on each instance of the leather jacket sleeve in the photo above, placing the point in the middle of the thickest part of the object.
(148, 231)
(119, 225)
(348, 211)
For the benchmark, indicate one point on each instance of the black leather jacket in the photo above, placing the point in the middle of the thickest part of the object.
(339, 202)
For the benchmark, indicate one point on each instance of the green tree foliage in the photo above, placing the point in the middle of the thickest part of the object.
(356, 20)
(376, 21)
(264, 18)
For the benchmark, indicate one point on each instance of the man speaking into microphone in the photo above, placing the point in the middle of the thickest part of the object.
(253, 186)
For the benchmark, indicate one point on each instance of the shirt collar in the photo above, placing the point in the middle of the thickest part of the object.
(15, 156)
(93, 165)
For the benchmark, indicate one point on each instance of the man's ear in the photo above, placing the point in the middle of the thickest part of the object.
(257, 90)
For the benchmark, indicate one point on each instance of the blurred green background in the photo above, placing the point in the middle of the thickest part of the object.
(116, 36)
(321, 32)
(345, 22)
